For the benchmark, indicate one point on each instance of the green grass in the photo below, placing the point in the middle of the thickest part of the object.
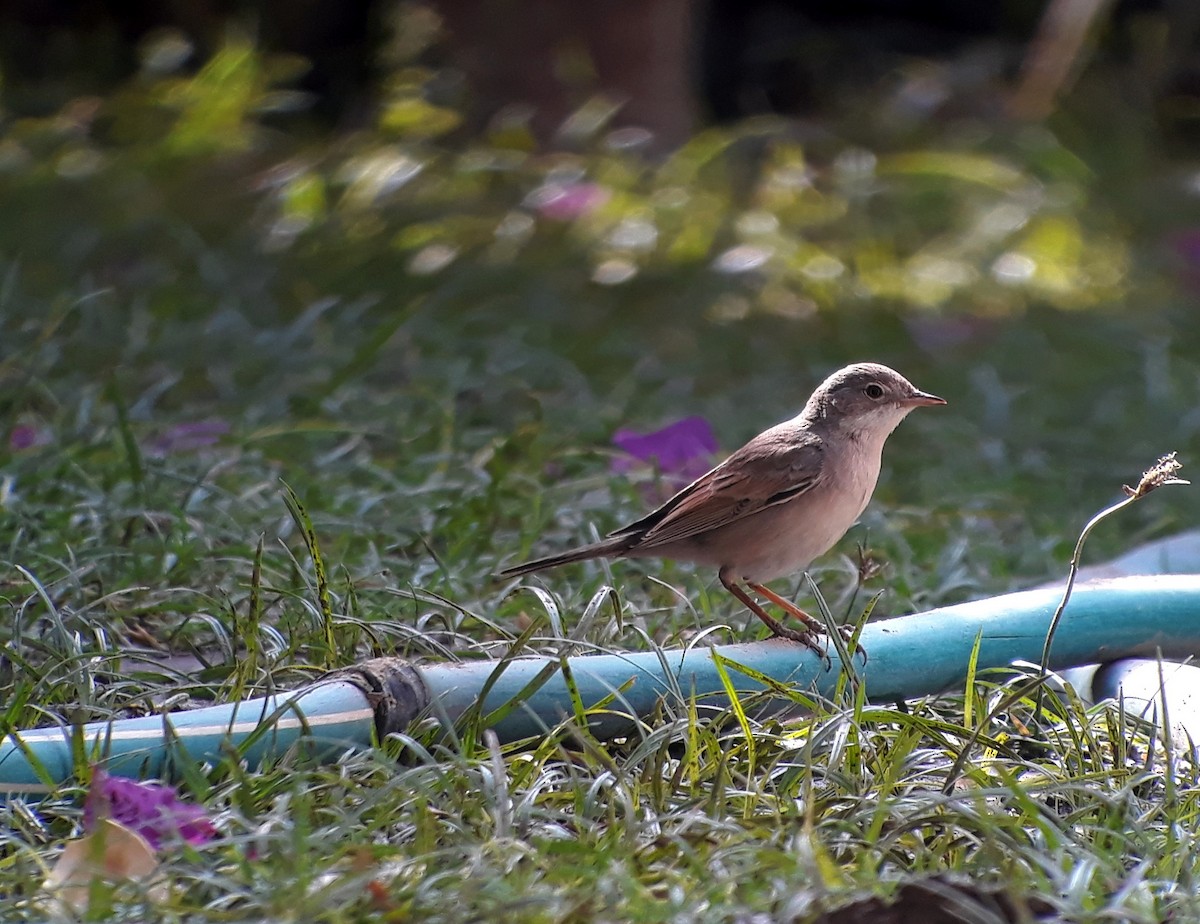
(436, 427)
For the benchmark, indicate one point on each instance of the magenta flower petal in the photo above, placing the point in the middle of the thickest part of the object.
(23, 436)
(1186, 245)
(568, 201)
(154, 810)
(188, 437)
(681, 450)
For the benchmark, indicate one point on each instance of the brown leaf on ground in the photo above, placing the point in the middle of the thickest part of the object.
(111, 852)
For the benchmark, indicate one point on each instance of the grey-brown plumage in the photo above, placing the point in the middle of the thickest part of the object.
(778, 502)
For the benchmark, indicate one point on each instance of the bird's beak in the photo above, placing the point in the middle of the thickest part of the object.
(922, 399)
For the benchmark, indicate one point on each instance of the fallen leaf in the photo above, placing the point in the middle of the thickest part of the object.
(111, 852)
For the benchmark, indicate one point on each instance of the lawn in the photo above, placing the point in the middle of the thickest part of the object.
(431, 339)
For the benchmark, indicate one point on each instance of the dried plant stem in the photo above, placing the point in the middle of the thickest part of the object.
(1074, 572)
(1161, 473)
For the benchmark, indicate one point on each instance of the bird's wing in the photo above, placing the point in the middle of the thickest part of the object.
(776, 466)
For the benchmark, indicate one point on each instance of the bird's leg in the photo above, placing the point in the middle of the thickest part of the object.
(814, 625)
(806, 638)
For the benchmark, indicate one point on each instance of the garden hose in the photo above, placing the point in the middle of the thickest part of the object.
(521, 698)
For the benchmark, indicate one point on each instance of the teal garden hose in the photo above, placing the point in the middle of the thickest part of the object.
(911, 656)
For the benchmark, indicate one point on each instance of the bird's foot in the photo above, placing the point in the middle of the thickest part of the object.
(847, 634)
(812, 625)
(805, 637)
(810, 641)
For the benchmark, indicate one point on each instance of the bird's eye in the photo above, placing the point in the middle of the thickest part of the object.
(874, 390)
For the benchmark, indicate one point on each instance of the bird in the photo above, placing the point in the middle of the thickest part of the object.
(782, 500)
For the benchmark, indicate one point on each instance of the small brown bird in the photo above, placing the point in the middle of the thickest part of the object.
(778, 502)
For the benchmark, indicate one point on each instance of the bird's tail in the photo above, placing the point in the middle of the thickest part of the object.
(598, 550)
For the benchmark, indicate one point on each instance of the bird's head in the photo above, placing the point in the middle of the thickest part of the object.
(866, 398)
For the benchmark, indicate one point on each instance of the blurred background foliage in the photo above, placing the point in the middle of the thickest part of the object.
(191, 232)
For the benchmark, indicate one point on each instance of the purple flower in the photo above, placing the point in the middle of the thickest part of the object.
(937, 333)
(1186, 245)
(568, 201)
(24, 436)
(682, 451)
(154, 810)
(188, 437)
